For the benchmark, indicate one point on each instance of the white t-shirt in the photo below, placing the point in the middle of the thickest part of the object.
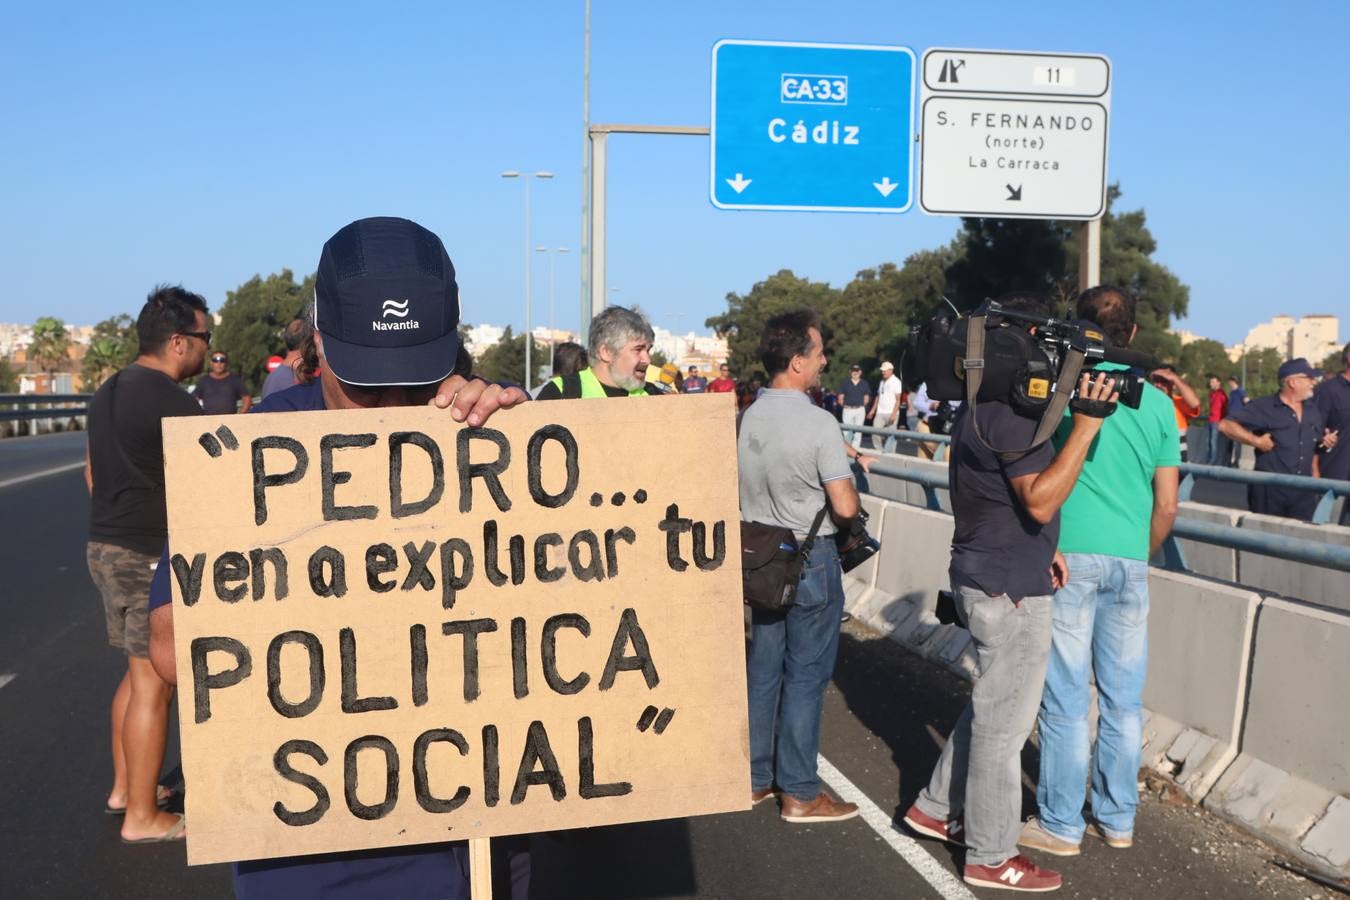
(888, 395)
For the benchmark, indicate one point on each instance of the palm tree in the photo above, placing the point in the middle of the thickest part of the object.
(105, 357)
(50, 344)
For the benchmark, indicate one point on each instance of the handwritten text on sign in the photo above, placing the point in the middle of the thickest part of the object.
(393, 630)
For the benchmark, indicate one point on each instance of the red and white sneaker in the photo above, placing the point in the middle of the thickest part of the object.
(1017, 873)
(951, 831)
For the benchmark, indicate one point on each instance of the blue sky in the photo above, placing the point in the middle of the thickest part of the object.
(202, 144)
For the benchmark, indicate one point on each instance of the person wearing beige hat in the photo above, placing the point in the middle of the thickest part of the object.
(885, 412)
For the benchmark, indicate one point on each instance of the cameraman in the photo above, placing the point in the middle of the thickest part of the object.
(1118, 514)
(1004, 569)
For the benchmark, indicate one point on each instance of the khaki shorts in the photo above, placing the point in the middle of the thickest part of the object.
(123, 576)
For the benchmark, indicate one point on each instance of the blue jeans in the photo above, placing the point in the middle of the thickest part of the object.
(1101, 627)
(790, 662)
(1214, 445)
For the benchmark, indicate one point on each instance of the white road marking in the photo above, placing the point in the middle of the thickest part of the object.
(944, 882)
(6, 679)
(43, 474)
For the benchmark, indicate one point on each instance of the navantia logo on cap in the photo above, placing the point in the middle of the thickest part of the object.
(398, 310)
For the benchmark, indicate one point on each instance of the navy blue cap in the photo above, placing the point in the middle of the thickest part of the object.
(1297, 366)
(387, 304)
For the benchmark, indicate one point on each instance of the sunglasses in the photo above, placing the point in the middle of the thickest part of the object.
(415, 394)
(219, 359)
(204, 335)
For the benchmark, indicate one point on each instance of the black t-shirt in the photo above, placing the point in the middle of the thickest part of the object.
(127, 507)
(220, 395)
(551, 391)
(997, 546)
(855, 394)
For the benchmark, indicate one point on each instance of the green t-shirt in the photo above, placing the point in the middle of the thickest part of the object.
(1112, 503)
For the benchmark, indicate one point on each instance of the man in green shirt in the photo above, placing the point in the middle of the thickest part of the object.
(1120, 511)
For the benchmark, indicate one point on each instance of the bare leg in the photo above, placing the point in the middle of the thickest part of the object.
(117, 797)
(143, 736)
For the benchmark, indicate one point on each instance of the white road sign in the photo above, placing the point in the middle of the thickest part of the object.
(1014, 135)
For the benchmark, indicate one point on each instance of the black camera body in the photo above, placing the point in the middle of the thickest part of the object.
(854, 544)
(1020, 366)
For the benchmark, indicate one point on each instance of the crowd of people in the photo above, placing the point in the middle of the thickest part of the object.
(1048, 562)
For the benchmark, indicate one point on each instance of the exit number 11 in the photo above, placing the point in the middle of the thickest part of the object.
(1052, 76)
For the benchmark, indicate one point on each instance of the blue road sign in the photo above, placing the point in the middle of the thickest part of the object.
(826, 127)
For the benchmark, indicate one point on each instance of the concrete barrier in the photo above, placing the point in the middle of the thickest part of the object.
(907, 491)
(1210, 560)
(1271, 574)
(1296, 737)
(1196, 687)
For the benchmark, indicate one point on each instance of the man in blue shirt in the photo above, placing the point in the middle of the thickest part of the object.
(1333, 399)
(362, 368)
(1289, 434)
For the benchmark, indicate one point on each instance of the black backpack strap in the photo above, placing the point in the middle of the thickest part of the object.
(799, 560)
(571, 386)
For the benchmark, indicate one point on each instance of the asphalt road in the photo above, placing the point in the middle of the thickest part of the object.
(884, 718)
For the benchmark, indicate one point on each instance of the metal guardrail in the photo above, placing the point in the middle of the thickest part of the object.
(24, 407)
(1329, 488)
(1331, 556)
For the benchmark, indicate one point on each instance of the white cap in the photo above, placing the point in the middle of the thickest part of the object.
(887, 365)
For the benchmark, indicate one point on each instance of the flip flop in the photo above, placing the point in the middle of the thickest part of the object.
(175, 833)
(163, 797)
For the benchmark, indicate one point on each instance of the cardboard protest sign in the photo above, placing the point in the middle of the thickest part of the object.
(391, 629)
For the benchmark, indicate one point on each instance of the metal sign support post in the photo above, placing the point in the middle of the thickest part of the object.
(599, 135)
(1089, 254)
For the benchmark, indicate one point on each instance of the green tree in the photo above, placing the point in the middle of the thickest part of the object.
(744, 319)
(505, 360)
(9, 382)
(659, 359)
(1200, 359)
(252, 319)
(114, 344)
(1127, 250)
(871, 318)
(1258, 369)
(1002, 255)
(1334, 364)
(51, 342)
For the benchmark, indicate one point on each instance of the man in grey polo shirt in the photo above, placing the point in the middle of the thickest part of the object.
(791, 463)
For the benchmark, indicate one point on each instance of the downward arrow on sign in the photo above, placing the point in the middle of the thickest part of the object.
(1014, 193)
(885, 186)
(738, 183)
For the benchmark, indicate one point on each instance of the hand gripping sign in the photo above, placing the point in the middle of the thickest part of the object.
(393, 629)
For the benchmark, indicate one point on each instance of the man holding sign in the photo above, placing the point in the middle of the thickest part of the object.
(400, 631)
(365, 367)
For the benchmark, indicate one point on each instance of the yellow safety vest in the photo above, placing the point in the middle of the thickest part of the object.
(591, 386)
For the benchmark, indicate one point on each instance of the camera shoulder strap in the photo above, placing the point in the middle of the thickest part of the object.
(974, 370)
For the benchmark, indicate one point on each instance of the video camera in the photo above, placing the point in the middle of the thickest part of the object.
(1019, 366)
(1023, 360)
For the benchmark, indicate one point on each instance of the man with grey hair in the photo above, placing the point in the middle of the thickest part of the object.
(283, 376)
(620, 351)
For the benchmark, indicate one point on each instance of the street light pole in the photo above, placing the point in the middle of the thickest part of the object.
(551, 337)
(529, 338)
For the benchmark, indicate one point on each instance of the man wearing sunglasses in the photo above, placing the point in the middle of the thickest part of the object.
(124, 470)
(220, 391)
(385, 333)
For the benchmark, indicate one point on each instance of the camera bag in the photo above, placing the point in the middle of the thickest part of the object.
(770, 573)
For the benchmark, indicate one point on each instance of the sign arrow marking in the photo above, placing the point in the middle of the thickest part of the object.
(1014, 193)
(739, 183)
(885, 186)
